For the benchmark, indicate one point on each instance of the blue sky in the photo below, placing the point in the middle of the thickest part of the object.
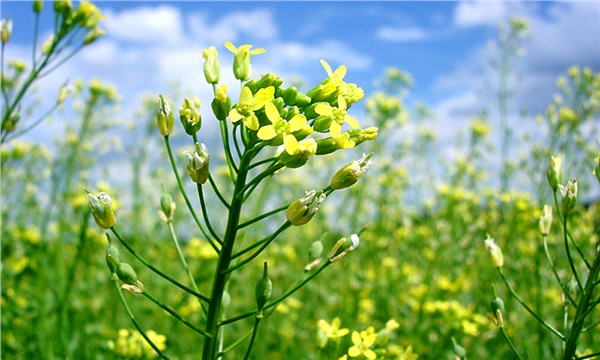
(149, 46)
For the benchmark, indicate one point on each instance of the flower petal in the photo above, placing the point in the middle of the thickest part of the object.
(291, 144)
(266, 132)
(327, 67)
(324, 109)
(272, 113)
(251, 122)
(234, 115)
(354, 351)
(297, 122)
(335, 129)
(246, 95)
(342, 103)
(230, 47)
(351, 121)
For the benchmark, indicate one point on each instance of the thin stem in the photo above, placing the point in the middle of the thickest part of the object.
(589, 356)
(217, 192)
(237, 343)
(266, 243)
(263, 216)
(265, 161)
(257, 320)
(268, 172)
(205, 215)
(536, 316)
(553, 268)
(233, 170)
(512, 347)
(174, 314)
(154, 269)
(34, 124)
(569, 259)
(134, 321)
(185, 197)
(562, 222)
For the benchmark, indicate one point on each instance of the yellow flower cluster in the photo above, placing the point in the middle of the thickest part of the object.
(131, 345)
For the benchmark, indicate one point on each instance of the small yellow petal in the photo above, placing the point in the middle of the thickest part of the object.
(324, 109)
(354, 352)
(272, 113)
(335, 129)
(246, 95)
(291, 144)
(230, 47)
(356, 339)
(370, 354)
(251, 122)
(266, 132)
(341, 103)
(351, 121)
(257, 51)
(327, 67)
(297, 122)
(234, 115)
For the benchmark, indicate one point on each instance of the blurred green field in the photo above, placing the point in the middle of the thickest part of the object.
(420, 278)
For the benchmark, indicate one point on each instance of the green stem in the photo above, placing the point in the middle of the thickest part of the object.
(582, 310)
(216, 190)
(562, 222)
(263, 216)
(134, 321)
(553, 268)
(185, 197)
(154, 269)
(210, 349)
(174, 314)
(536, 316)
(257, 320)
(569, 258)
(512, 347)
(205, 215)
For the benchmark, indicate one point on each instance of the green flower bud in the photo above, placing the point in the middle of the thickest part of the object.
(197, 167)
(267, 80)
(349, 174)
(263, 290)
(64, 7)
(47, 45)
(495, 252)
(221, 104)
(554, 172)
(322, 123)
(62, 94)
(343, 247)
(212, 68)
(497, 307)
(331, 144)
(569, 200)
(302, 151)
(38, 6)
(546, 220)
(167, 207)
(126, 274)
(190, 117)
(101, 207)
(6, 30)
(242, 67)
(302, 210)
(361, 135)
(87, 15)
(164, 117)
(289, 95)
(93, 35)
(459, 351)
(112, 257)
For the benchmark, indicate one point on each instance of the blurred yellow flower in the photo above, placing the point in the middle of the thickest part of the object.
(362, 343)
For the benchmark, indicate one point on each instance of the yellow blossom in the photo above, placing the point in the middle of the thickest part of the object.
(334, 117)
(362, 343)
(248, 104)
(280, 130)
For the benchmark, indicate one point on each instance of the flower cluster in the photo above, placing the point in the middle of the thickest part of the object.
(131, 345)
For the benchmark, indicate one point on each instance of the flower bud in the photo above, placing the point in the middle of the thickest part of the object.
(342, 247)
(190, 117)
(167, 207)
(38, 6)
(361, 135)
(242, 67)
(331, 144)
(569, 200)
(164, 117)
(197, 167)
(101, 207)
(546, 220)
(265, 81)
(554, 172)
(302, 150)
(112, 257)
(62, 94)
(93, 35)
(302, 210)
(6, 30)
(263, 290)
(495, 252)
(459, 351)
(497, 307)
(221, 104)
(64, 7)
(126, 274)
(212, 68)
(47, 45)
(349, 174)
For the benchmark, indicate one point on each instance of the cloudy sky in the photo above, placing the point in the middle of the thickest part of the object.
(150, 46)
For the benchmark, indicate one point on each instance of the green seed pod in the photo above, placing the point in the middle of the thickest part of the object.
(164, 117)
(497, 304)
(112, 257)
(264, 289)
(554, 172)
(126, 274)
(459, 351)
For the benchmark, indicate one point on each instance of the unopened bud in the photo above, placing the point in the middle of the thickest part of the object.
(126, 274)
(495, 252)
(198, 165)
(112, 258)
(349, 174)
(221, 104)
(569, 200)
(242, 67)
(302, 210)
(101, 207)
(212, 68)
(554, 172)
(190, 117)
(47, 45)
(459, 351)
(167, 207)
(361, 135)
(497, 307)
(64, 7)
(93, 35)
(164, 117)
(546, 220)
(38, 6)
(62, 94)
(264, 289)
(7, 29)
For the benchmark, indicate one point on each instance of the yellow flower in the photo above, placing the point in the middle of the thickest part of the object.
(280, 130)
(362, 343)
(332, 330)
(248, 104)
(333, 117)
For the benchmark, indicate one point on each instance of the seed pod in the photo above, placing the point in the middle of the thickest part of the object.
(264, 289)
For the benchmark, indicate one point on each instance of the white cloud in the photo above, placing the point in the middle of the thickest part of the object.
(473, 13)
(161, 24)
(400, 34)
(257, 25)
